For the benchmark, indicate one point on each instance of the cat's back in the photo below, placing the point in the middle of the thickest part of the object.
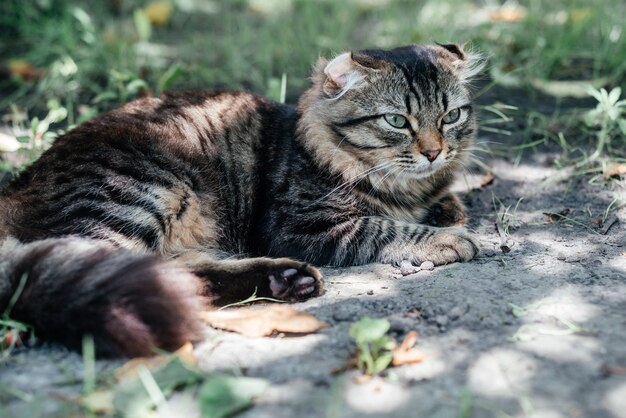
(142, 169)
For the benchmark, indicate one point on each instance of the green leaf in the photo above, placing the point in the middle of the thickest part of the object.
(134, 86)
(621, 123)
(169, 77)
(142, 25)
(614, 95)
(222, 396)
(132, 399)
(382, 362)
(518, 311)
(104, 96)
(369, 329)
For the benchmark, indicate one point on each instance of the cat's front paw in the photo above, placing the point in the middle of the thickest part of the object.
(450, 245)
(295, 281)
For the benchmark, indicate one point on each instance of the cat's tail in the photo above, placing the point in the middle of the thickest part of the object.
(67, 288)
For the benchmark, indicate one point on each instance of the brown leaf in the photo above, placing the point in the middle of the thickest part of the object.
(158, 12)
(405, 353)
(487, 179)
(24, 69)
(608, 370)
(557, 216)
(615, 170)
(508, 14)
(131, 368)
(263, 322)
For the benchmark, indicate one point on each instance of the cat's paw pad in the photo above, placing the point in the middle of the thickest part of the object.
(451, 245)
(295, 283)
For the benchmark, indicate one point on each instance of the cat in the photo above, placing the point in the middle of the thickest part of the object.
(133, 221)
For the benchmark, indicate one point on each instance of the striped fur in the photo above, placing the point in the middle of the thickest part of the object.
(144, 212)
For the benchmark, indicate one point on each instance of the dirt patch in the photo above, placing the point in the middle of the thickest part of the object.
(535, 332)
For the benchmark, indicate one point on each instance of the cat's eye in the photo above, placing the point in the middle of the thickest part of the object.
(452, 116)
(396, 120)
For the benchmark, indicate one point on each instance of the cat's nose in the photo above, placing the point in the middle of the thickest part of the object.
(431, 154)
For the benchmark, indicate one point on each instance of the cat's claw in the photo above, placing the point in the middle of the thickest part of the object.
(296, 283)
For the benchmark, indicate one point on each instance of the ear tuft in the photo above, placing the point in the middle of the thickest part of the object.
(467, 64)
(454, 49)
(342, 74)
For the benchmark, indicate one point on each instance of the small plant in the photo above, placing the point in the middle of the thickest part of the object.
(374, 346)
(608, 115)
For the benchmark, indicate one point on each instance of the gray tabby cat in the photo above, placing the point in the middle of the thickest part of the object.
(134, 220)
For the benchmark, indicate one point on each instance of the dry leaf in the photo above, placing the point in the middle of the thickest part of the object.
(8, 143)
(614, 170)
(158, 12)
(263, 322)
(508, 14)
(24, 69)
(131, 368)
(405, 353)
(487, 179)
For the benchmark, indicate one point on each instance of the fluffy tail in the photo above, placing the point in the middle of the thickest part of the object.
(70, 287)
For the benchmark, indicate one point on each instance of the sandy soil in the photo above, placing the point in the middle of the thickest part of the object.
(557, 357)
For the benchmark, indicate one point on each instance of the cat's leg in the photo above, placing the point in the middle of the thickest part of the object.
(391, 241)
(448, 211)
(370, 239)
(233, 280)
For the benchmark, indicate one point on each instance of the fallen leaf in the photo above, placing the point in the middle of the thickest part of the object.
(557, 216)
(608, 370)
(508, 14)
(263, 322)
(158, 12)
(24, 69)
(614, 170)
(132, 367)
(405, 353)
(8, 143)
(487, 179)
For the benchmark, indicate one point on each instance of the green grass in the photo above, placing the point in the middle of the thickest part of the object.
(95, 54)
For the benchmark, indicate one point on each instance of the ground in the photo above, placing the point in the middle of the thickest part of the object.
(539, 331)
(535, 332)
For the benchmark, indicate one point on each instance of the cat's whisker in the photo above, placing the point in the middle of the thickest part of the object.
(354, 179)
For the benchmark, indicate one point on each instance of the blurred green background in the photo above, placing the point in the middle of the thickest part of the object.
(79, 58)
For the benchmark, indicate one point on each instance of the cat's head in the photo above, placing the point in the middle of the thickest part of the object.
(400, 114)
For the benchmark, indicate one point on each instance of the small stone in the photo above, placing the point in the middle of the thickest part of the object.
(406, 268)
(561, 257)
(427, 265)
(455, 313)
(370, 292)
(343, 315)
(441, 320)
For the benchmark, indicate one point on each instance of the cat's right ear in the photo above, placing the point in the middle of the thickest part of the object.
(342, 73)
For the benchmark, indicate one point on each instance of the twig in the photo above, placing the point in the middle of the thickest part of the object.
(608, 224)
(503, 238)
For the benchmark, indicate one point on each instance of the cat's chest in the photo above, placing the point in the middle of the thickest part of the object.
(403, 214)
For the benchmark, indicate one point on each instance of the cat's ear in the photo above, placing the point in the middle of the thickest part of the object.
(342, 73)
(467, 64)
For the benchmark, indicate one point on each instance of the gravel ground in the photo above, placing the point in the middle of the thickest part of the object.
(550, 359)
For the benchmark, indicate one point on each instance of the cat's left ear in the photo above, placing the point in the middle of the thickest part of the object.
(342, 73)
(467, 64)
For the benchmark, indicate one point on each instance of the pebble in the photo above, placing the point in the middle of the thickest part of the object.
(456, 312)
(406, 268)
(441, 320)
(427, 265)
(343, 315)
